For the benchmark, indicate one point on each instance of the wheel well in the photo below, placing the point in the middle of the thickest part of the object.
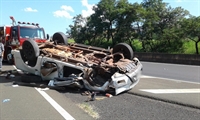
(69, 70)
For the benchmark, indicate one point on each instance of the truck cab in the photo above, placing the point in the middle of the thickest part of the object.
(14, 36)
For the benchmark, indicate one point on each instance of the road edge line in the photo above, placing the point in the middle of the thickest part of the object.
(169, 79)
(164, 100)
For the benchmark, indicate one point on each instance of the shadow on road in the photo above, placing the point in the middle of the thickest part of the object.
(5, 63)
(35, 81)
(16, 79)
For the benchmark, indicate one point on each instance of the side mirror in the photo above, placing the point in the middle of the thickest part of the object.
(47, 36)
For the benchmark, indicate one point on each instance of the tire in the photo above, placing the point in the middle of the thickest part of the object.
(125, 49)
(30, 49)
(60, 37)
(23, 56)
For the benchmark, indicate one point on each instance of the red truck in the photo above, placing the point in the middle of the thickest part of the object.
(13, 36)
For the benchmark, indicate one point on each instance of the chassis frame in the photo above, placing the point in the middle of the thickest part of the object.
(78, 65)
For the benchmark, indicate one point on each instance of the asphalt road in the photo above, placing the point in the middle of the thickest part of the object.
(173, 71)
(132, 107)
(29, 103)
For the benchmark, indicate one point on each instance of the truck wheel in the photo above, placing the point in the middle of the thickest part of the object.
(125, 49)
(60, 37)
(30, 49)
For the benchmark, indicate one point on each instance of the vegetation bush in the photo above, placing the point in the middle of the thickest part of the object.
(149, 26)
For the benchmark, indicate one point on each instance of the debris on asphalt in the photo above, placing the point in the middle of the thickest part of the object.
(86, 93)
(9, 76)
(108, 95)
(6, 100)
(12, 76)
(93, 96)
(11, 73)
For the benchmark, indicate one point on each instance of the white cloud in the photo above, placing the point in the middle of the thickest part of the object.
(89, 11)
(64, 12)
(67, 8)
(29, 9)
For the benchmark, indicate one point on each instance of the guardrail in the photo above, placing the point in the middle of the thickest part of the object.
(187, 59)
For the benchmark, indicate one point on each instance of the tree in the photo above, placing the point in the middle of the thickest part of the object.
(157, 25)
(191, 30)
(108, 12)
(153, 8)
(127, 21)
(168, 29)
(81, 31)
(160, 32)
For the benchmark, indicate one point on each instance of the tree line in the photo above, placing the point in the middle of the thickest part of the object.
(158, 26)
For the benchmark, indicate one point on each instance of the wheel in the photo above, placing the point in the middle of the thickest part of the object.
(60, 37)
(23, 56)
(30, 49)
(9, 57)
(125, 49)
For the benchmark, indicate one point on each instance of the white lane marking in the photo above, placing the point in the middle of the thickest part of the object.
(145, 76)
(15, 85)
(15, 68)
(175, 80)
(169, 91)
(44, 89)
(167, 64)
(62, 111)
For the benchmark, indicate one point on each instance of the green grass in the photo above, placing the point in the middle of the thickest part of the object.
(71, 41)
(189, 47)
(137, 45)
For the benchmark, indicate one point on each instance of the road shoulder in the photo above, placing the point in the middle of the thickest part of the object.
(178, 92)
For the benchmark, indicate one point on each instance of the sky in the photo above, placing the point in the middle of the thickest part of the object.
(56, 15)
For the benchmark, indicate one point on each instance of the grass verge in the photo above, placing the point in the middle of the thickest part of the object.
(89, 109)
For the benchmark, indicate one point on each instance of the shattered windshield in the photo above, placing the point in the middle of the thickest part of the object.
(26, 32)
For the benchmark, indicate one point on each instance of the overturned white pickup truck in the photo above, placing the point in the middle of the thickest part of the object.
(72, 64)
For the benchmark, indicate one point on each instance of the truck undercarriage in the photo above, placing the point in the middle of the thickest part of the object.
(72, 64)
